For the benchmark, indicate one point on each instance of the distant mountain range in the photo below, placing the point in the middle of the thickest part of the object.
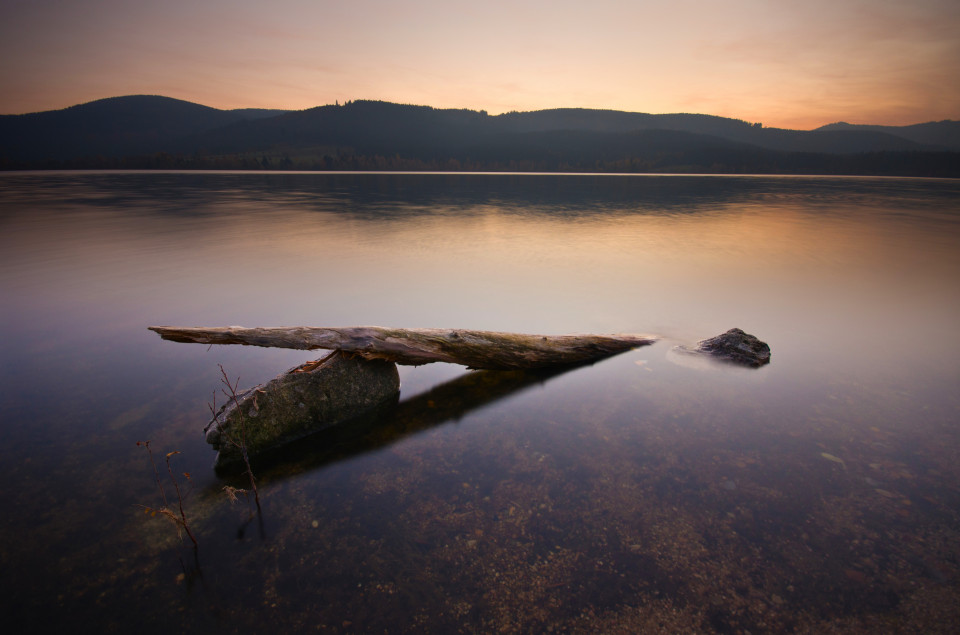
(159, 132)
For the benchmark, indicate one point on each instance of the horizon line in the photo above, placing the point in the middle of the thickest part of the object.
(477, 110)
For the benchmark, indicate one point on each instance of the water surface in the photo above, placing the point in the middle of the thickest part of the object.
(644, 492)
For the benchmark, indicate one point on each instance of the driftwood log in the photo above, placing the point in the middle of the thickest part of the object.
(361, 378)
(486, 350)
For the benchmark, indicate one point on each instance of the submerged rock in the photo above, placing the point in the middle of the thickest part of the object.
(734, 346)
(306, 399)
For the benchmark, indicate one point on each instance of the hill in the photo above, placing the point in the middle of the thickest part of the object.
(159, 132)
(943, 134)
(113, 127)
(826, 139)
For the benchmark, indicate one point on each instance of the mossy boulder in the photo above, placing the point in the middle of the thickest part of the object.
(304, 400)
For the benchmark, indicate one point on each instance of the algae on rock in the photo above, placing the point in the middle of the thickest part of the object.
(306, 399)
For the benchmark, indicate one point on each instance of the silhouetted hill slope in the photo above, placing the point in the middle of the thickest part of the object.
(113, 127)
(821, 140)
(143, 131)
(383, 127)
(585, 148)
(427, 134)
(617, 121)
(370, 126)
(944, 134)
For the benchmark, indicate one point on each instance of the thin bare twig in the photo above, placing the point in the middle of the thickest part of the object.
(164, 511)
(231, 393)
(183, 516)
(156, 472)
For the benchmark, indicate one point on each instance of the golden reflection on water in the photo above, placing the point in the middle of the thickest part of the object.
(631, 495)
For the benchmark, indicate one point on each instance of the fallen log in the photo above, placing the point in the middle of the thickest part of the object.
(485, 350)
(361, 378)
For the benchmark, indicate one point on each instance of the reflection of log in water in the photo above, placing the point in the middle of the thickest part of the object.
(510, 353)
(447, 402)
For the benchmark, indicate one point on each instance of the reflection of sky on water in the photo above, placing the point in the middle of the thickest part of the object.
(681, 255)
(851, 281)
(854, 276)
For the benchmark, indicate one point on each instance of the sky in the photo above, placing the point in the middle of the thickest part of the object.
(783, 63)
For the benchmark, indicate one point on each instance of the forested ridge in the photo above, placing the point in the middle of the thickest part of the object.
(145, 132)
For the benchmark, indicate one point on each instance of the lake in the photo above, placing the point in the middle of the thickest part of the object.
(649, 492)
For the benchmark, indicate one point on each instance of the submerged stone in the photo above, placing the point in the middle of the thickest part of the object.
(736, 347)
(304, 400)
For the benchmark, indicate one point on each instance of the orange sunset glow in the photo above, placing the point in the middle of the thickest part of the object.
(783, 63)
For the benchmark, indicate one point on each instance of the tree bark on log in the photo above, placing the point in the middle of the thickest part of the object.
(486, 350)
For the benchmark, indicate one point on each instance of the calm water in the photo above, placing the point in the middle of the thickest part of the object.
(643, 493)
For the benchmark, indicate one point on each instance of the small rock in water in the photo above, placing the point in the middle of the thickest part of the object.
(734, 346)
(738, 347)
